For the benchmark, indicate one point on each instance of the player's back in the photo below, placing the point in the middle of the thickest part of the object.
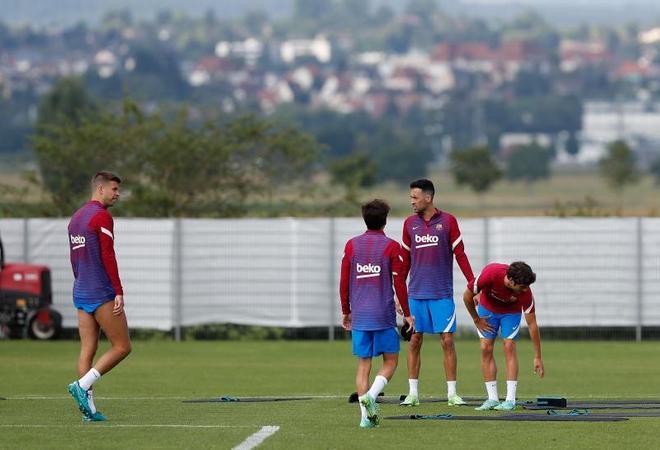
(91, 282)
(370, 292)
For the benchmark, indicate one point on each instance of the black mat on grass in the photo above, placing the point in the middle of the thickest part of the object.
(514, 417)
(228, 399)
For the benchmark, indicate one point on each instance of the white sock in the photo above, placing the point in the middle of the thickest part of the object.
(363, 411)
(378, 386)
(451, 388)
(412, 386)
(491, 388)
(89, 378)
(90, 400)
(511, 390)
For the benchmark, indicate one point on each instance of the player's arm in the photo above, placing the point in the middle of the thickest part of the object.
(396, 263)
(472, 290)
(405, 251)
(535, 335)
(104, 227)
(458, 247)
(344, 279)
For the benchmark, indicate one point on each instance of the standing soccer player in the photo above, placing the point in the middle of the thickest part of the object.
(97, 291)
(371, 264)
(431, 239)
(503, 296)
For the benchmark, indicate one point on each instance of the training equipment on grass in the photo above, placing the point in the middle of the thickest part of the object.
(595, 406)
(228, 399)
(514, 417)
(551, 401)
(353, 398)
(575, 412)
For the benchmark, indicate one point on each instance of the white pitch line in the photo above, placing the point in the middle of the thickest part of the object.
(257, 438)
(125, 426)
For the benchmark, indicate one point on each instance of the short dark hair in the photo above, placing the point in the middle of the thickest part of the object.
(425, 185)
(103, 177)
(375, 214)
(520, 273)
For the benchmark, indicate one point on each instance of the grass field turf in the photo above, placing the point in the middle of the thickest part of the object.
(143, 397)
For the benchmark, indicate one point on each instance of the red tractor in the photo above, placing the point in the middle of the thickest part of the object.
(26, 296)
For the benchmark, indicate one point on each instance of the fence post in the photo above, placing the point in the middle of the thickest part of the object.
(640, 280)
(26, 240)
(177, 278)
(331, 280)
(486, 241)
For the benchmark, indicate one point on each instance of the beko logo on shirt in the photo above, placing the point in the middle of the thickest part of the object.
(77, 241)
(427, 240)
(369, 270)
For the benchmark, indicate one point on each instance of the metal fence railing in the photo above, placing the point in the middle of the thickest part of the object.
(592, 272)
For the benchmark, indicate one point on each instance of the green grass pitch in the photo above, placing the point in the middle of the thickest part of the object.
(143, 397)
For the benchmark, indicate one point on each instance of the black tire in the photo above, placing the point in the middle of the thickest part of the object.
(48, 331)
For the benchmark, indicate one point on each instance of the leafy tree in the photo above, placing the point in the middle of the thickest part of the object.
(476, 168)
(173, 168)
(529, 163)
(67, 101)
(354, 171)
(618, 166)
(654, 170)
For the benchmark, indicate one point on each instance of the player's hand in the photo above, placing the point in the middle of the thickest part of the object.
(538, 367)
(411, 322)
(119, 306)
(399, 310)
(346, 322)
(483, 325)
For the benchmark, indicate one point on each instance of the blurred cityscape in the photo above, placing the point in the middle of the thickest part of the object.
(424, 77)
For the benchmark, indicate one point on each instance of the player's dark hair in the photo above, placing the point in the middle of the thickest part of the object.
(425, 185)
(104, 177)
(520, 273)
(375, 214)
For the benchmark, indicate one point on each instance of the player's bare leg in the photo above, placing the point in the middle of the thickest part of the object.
(489, 371)
(362, 376)
(116, 330)
(450, 363)
(88, 329)
(511, 358)
(413, 358)
(449, 350)
(390, 362)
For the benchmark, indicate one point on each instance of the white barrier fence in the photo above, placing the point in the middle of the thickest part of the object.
(602, 272)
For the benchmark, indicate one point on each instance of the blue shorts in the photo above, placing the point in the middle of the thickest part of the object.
(433, 316)
(367, 344)
(89, 308)
(509, 324)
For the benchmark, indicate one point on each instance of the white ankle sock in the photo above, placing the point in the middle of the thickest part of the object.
(378, 386)
(511, 387)
(89, 378)
(363, 411)
(451, 388)
(412, 386)
(90, 400)
(491, 388)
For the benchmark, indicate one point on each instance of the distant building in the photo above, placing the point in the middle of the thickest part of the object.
(319, 48)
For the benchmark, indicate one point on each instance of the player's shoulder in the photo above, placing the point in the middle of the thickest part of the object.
(411, 219)
(495, 267)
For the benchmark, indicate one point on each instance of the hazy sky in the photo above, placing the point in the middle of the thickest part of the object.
(558, 12)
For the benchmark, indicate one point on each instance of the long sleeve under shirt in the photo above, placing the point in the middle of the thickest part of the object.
(371, 266)
(91, 243)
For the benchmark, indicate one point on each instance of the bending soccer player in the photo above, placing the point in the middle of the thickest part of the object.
(371, 265)
(431, 240)
(503, 295)
(97, 291)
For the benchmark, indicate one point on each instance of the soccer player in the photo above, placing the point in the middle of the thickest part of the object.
(97, 291)
(503, 295)
(431, 239)
(371, 264)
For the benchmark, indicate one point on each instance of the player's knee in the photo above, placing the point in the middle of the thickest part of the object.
(416, 341)
(509, 345)
(447, 341)
(124, 349)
